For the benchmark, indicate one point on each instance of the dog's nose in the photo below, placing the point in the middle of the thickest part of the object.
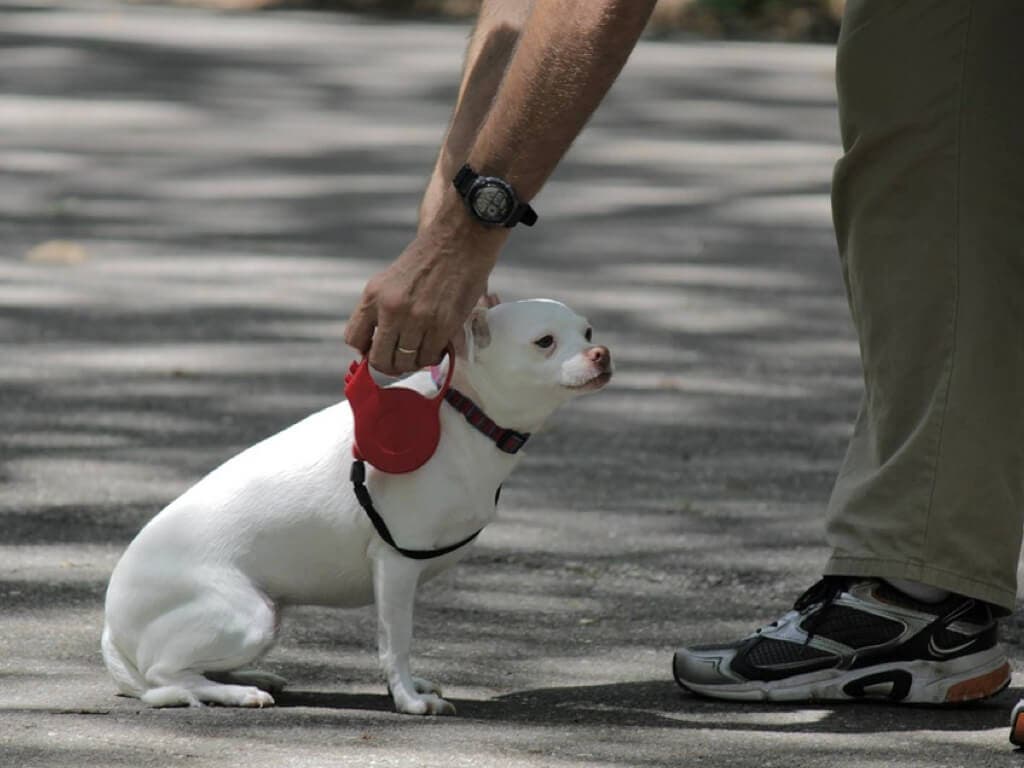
(600, 356)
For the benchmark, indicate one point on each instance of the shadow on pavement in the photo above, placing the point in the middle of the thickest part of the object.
(661, 704)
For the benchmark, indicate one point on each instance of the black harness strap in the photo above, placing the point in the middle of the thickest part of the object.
(358, 477)
(507, 440)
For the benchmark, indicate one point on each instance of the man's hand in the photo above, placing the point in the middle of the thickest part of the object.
(520, 107)
(410, 310)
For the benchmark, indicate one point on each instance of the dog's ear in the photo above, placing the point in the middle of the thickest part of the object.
(478, 328)
(474, 335)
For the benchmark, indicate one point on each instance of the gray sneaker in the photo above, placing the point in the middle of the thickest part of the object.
(849, 639)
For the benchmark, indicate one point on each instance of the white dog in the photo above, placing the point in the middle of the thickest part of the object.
(197, 596)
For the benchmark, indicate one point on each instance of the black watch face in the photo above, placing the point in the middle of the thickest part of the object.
(491, 202)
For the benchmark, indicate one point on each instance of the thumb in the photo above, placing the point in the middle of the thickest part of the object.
(359, 328)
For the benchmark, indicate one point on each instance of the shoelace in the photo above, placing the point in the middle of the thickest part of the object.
(811, 605)
(824, 591)
(815, 600)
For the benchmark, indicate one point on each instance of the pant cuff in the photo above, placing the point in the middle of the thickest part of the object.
(846, 565)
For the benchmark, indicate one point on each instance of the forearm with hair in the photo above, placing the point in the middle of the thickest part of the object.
(567, 57)
(490, 49)
(569, 54)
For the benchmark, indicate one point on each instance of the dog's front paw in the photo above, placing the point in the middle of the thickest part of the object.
(428, 704)
(426, 686)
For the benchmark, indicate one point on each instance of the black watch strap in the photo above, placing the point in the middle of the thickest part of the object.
(464, 180)
(524, 215)
(521, 213)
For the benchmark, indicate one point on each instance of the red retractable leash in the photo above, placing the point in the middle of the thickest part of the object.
(396, 429)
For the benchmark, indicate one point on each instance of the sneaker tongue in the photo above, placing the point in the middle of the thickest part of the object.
(823, 591)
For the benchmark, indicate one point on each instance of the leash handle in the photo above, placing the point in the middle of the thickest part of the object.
(395, 428)
(448, 378)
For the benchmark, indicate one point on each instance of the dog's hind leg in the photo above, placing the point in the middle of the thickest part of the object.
(219, 630)
(193, 689)
(126, 676)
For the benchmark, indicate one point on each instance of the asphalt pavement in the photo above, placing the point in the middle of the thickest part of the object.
(191, 202)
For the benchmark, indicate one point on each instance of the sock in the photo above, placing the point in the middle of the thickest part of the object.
(925, 593)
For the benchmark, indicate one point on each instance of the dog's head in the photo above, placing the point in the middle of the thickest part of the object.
(525, 358)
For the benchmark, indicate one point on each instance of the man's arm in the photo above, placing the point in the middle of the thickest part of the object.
(568, 56)
(494, 40)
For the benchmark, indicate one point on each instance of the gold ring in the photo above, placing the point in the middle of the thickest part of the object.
(405, 351)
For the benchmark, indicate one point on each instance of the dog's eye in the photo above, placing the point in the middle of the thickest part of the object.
(588, 334)
(545, 341)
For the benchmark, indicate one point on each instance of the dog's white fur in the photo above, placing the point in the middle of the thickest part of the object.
(197, 596)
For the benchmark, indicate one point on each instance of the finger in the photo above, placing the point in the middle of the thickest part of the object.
(410, 339)
(433, 346)
(359, 328)
(382, 351)
(407, 353)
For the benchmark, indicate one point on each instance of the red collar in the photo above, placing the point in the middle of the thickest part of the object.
(507, 440)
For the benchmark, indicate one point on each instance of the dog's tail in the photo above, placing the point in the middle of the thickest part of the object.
(129, 681)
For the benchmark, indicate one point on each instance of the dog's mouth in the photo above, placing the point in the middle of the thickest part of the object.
(596, 382)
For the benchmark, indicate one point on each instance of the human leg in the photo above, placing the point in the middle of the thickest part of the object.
(926, 200)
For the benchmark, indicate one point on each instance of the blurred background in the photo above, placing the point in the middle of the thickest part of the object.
(791, 20)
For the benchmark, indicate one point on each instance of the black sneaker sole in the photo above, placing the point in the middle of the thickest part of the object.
(967, 678)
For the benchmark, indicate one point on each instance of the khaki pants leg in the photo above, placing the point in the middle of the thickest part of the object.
(928, 202)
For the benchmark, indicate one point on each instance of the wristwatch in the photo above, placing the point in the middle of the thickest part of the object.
(491, 200)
